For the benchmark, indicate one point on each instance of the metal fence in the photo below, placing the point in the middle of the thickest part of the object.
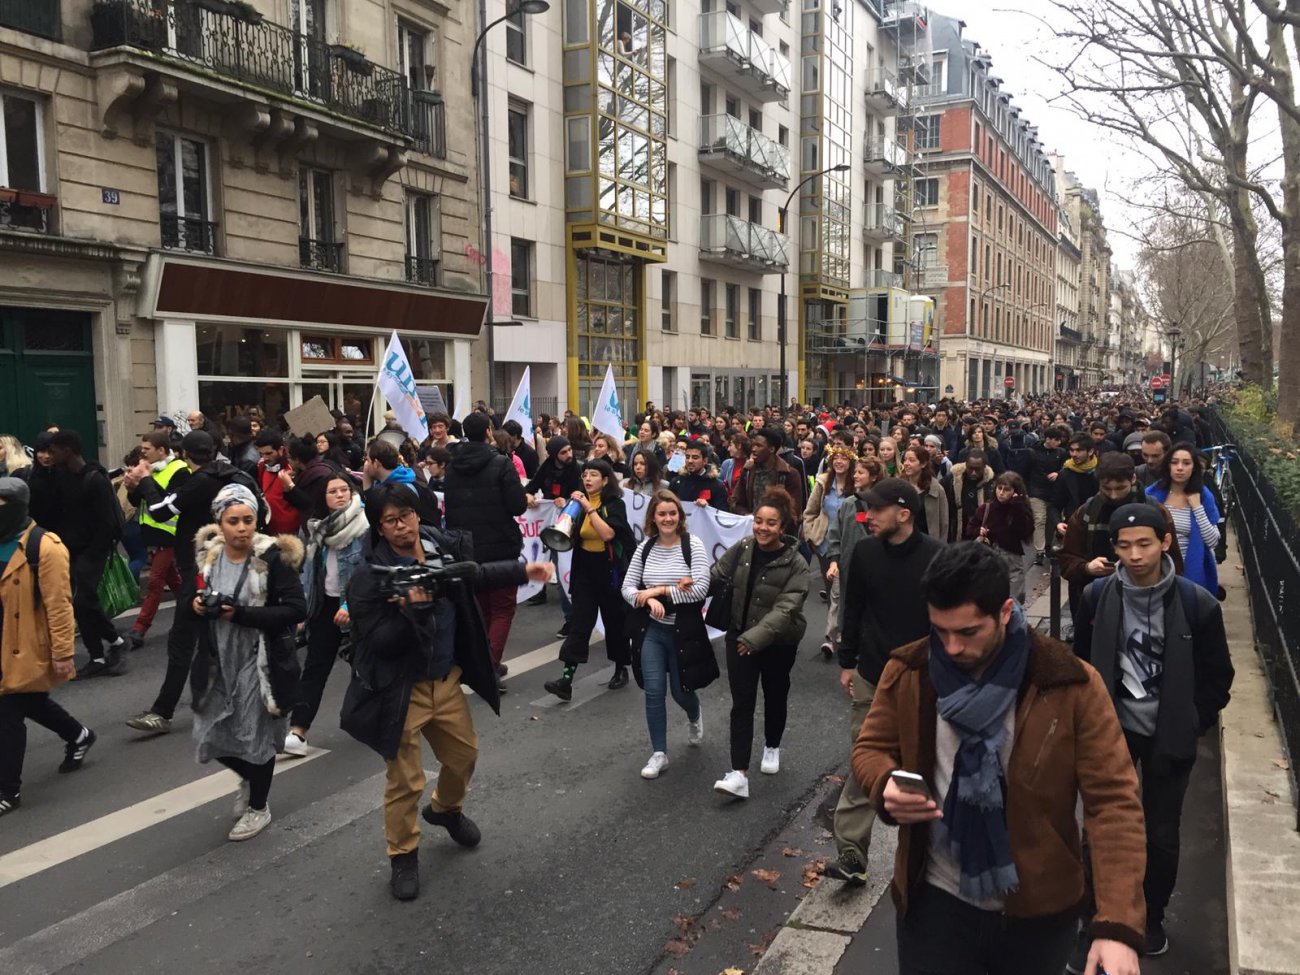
(1269, 546)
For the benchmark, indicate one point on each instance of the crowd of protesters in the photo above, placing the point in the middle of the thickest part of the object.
(917, 523)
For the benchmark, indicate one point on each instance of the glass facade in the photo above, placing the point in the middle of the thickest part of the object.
(607, 328)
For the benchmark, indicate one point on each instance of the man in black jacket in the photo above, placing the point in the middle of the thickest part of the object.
(525, 451)
(412, 653)
(484, 496)
(243, 454)
(696, 482)
(188, 498)
(1158, 642)
(884, 609)
(90, 526)
(1045, 461)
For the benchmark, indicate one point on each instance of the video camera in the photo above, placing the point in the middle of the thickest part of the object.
(431, 576)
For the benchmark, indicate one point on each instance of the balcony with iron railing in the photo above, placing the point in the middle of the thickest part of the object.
(320, 255)
(422, 270)
(885, 93)
(230, 41)
(188, 234)
(429, 123)
(881, 155)
(881, 222)
(729, 144)
(39, 17)
(735, 241)
(753, 65)
(27, 210)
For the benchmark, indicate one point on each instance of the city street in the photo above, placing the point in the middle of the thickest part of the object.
(576, 871)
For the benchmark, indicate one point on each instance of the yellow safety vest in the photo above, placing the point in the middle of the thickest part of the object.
(163, 478)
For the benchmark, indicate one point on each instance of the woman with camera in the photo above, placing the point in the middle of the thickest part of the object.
(603, 543)
(334, 545)
(667, 583)
(765, 580)
(246, 673)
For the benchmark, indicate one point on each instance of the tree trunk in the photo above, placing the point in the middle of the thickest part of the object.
(1288, 382)
(1250, 291)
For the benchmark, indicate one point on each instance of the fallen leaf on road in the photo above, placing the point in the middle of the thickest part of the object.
(733, 971)
(812, 873)
(685, 884)
(791, 851)
(676, 947)
(832, 777)
(769, 877)
(684, 925)
(1281, 763)
(731, 913)
(732, 882)
(758, 951)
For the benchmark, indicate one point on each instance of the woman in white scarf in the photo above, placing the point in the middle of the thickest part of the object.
(333, 554)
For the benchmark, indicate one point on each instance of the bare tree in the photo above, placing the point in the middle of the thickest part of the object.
(1143, 69)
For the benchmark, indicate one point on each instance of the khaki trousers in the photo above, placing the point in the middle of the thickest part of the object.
(440, 712)
(854, 814)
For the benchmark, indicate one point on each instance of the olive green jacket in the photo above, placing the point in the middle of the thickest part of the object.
(774, 615)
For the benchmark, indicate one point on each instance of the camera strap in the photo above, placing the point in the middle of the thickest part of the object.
(234, 596)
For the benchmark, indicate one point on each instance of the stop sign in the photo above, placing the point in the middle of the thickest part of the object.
(1009, 382)
(1157, 382)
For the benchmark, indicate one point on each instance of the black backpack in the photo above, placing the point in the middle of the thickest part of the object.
(33, 553)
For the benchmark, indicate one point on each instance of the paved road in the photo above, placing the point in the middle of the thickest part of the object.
(576, 872)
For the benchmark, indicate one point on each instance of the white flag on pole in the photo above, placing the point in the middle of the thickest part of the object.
(607, 417)
(397, 383)
(521, 407)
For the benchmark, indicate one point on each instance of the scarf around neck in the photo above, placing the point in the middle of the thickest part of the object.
(974, 824)
(1086, 468)
(339, 529)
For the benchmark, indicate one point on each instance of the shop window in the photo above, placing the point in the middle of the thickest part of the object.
(337, 350)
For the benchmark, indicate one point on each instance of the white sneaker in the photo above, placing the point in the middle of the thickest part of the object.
(295, 746)
(734, 782)
(658, 762)
(695, 729)
(771, 761)
(250, 824)
(241, 799)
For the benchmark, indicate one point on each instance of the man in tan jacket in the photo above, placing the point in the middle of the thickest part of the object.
(979, 743)
(36, 636)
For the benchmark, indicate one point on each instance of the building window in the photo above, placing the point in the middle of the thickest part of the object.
(706, 306)
(521, 277)
(517, 37)
(423, 238)
(668, 301)
(733, 311)
(22, 166)
(183, 204)
(927, 192)
(927, 132)
(428, 114)
(317, 242)
(927, 250)
(756, 314)
(517, 137)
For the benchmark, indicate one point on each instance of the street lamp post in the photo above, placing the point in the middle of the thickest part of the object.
(780, 309)
(1173, 332)
(478, 79)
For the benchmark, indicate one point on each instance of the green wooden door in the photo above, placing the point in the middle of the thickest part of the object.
(46, 373)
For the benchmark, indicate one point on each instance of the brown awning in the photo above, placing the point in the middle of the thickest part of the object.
(208, 290)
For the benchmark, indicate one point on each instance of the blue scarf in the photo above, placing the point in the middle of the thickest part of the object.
(974, 824)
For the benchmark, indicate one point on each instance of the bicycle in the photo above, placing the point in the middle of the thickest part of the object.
(1221, 457)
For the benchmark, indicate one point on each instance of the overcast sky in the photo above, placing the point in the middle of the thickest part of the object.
(1013, 33)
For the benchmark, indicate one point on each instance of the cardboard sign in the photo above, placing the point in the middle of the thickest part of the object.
(310, 418)
(431, 399)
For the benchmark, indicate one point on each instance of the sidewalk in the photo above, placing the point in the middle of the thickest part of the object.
(1237, 905)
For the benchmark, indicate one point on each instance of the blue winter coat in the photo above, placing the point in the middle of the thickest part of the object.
(1198, 561)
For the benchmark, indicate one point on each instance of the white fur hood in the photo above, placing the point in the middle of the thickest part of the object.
(208, 545)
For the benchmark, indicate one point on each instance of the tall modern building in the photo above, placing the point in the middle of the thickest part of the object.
(641, 156)
(222, 204)
(984, 234)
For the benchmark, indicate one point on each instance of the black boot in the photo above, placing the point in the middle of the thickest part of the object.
(538, 600)
(459, 826)
(405, 881)
(619, 679)
(562, 688)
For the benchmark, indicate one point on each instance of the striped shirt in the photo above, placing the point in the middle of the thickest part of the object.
(1208, 531)
(666, 567)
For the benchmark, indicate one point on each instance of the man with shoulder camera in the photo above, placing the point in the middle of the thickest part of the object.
(418, 635)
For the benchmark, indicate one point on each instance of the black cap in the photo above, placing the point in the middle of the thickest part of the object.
(199, 442)
(893, 490)
(1135, 516)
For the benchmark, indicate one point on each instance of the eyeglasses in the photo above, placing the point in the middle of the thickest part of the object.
(392, 521)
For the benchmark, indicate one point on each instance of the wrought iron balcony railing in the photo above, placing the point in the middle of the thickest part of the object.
(24, 210)
(321, 255)
(39, 17)
(232, 40)
(188, 234)
(422, 270)
(429, 124)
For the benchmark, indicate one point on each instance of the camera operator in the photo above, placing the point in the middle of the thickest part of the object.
(417, 635)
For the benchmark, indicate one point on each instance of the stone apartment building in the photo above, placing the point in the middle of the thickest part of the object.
(1069, 341)
(986, 214)
(1083, 207)
(226, 204)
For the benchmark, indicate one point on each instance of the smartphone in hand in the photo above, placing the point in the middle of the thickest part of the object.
(910, 782)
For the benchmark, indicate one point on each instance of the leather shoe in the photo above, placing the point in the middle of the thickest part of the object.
(458, 826)
(619, 679)
(563, 689)
(405, 880)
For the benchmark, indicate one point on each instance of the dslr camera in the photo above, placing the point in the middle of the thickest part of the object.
(213, 601)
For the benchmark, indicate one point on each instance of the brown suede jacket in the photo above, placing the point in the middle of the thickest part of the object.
(1067, 743)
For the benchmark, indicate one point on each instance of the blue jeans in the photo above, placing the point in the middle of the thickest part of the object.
(659, 668)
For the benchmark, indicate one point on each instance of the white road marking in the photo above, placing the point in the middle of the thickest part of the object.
(75, 842)
(532, 660)
(584, 690)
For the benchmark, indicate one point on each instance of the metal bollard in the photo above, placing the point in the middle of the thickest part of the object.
(1054, 598)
